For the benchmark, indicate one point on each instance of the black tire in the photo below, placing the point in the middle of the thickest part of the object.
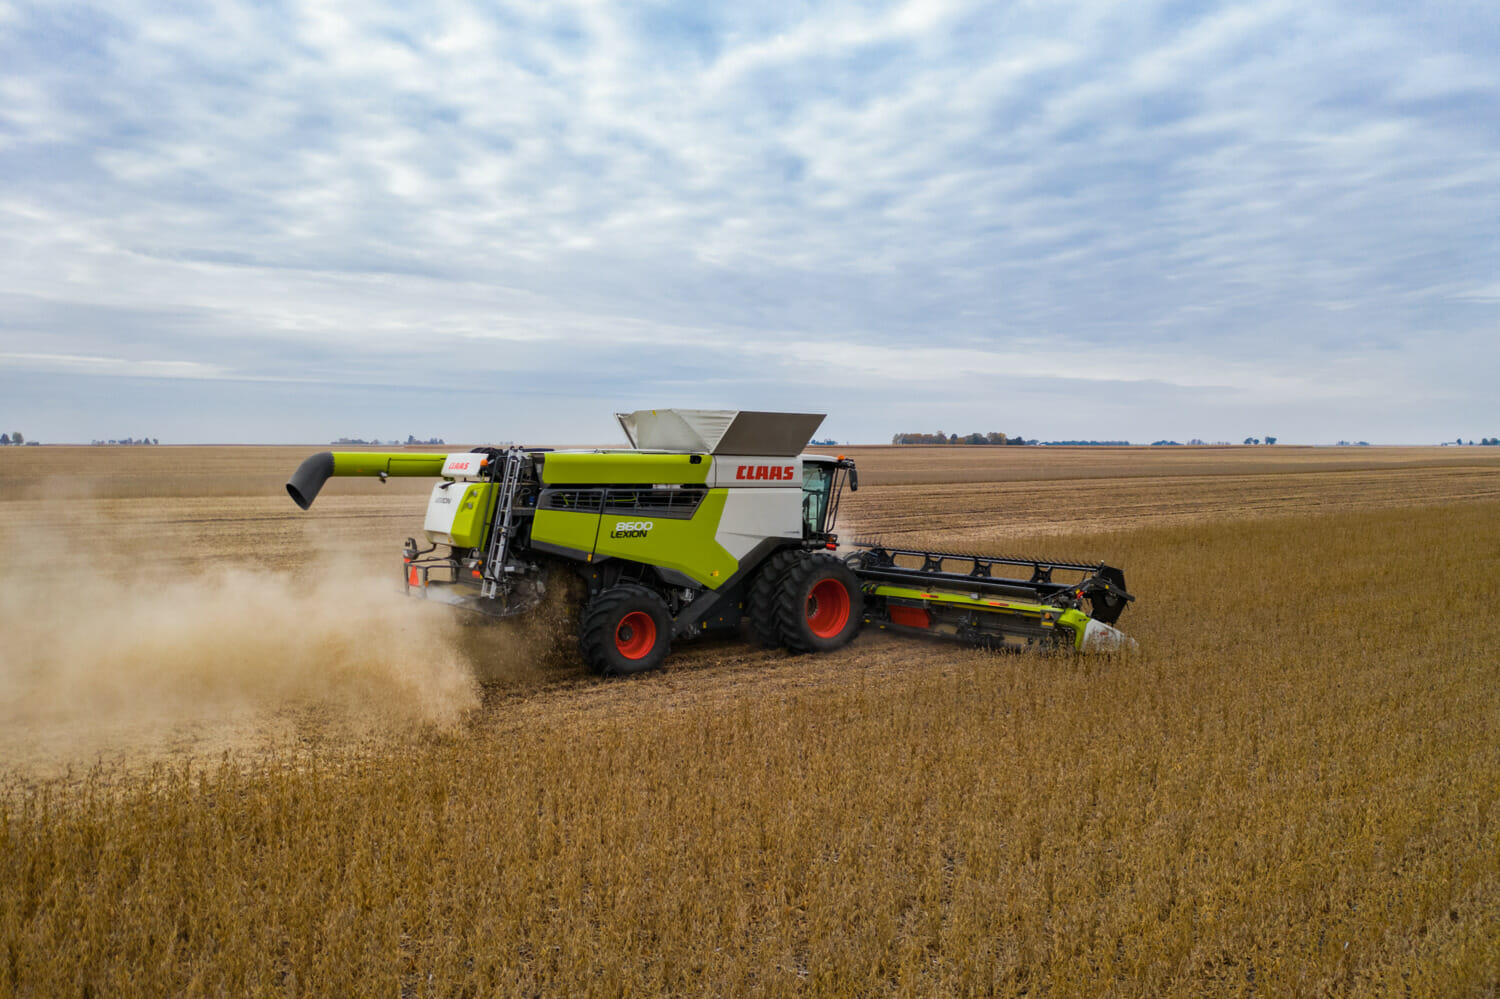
(624, 629)
(819, 605)
(760, 603)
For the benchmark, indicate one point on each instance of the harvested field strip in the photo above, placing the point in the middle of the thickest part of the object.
(104, 473)
(1289, 791)
(193, 533)
(994, 513)
(958, 464)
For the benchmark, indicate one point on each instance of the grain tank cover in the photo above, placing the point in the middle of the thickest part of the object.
(720, 431)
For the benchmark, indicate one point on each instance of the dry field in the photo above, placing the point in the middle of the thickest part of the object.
(232, 762)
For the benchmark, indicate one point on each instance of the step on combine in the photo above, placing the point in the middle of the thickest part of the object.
(710, 520)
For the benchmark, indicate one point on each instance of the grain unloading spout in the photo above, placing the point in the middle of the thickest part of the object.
(308, 479)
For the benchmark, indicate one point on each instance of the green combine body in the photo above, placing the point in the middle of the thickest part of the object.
(710, 519)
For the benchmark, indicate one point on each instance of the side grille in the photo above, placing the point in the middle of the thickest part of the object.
(672, 504)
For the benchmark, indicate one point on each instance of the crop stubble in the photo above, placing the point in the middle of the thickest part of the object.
(1291, 790)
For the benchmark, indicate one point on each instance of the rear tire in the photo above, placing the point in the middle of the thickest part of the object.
(760, 603)
(625, 629)
(819, 605)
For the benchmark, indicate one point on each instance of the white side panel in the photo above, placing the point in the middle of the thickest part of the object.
(463, 466)
(752, 517)
(760, 473)
(442, 507)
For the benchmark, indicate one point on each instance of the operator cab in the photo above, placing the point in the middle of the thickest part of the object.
(821, 487)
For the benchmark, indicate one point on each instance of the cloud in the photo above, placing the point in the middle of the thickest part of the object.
(114, 366)
(1272, 200)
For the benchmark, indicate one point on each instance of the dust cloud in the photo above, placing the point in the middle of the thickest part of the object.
(102, 661)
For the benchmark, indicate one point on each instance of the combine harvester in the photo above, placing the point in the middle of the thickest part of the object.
(711, 518)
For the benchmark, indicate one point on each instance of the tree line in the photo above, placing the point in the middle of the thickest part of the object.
(410, 441)
(942, 438)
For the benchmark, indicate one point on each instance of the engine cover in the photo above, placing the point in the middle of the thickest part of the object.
(456, 513)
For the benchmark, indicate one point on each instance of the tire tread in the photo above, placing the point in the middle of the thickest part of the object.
(791, 603)
(596, 636)
(761, 603)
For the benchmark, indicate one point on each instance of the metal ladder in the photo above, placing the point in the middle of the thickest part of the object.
(504, 526)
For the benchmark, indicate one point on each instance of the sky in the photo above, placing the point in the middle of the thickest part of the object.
(285, 222)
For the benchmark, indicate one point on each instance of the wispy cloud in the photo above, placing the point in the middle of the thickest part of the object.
(116, 366)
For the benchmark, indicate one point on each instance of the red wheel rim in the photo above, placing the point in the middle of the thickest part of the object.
(635, 635)
(827, 608)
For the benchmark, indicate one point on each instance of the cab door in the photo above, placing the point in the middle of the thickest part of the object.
(817, 487)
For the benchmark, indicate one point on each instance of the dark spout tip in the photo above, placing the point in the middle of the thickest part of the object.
(304, 484)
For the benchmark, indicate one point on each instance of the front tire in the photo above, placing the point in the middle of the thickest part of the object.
(625, 629)
(819, 605)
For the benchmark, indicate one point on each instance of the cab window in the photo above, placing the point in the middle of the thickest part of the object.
(817, 479)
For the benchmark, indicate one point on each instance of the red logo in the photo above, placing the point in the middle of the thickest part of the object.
(460, 466)
(782, 473)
